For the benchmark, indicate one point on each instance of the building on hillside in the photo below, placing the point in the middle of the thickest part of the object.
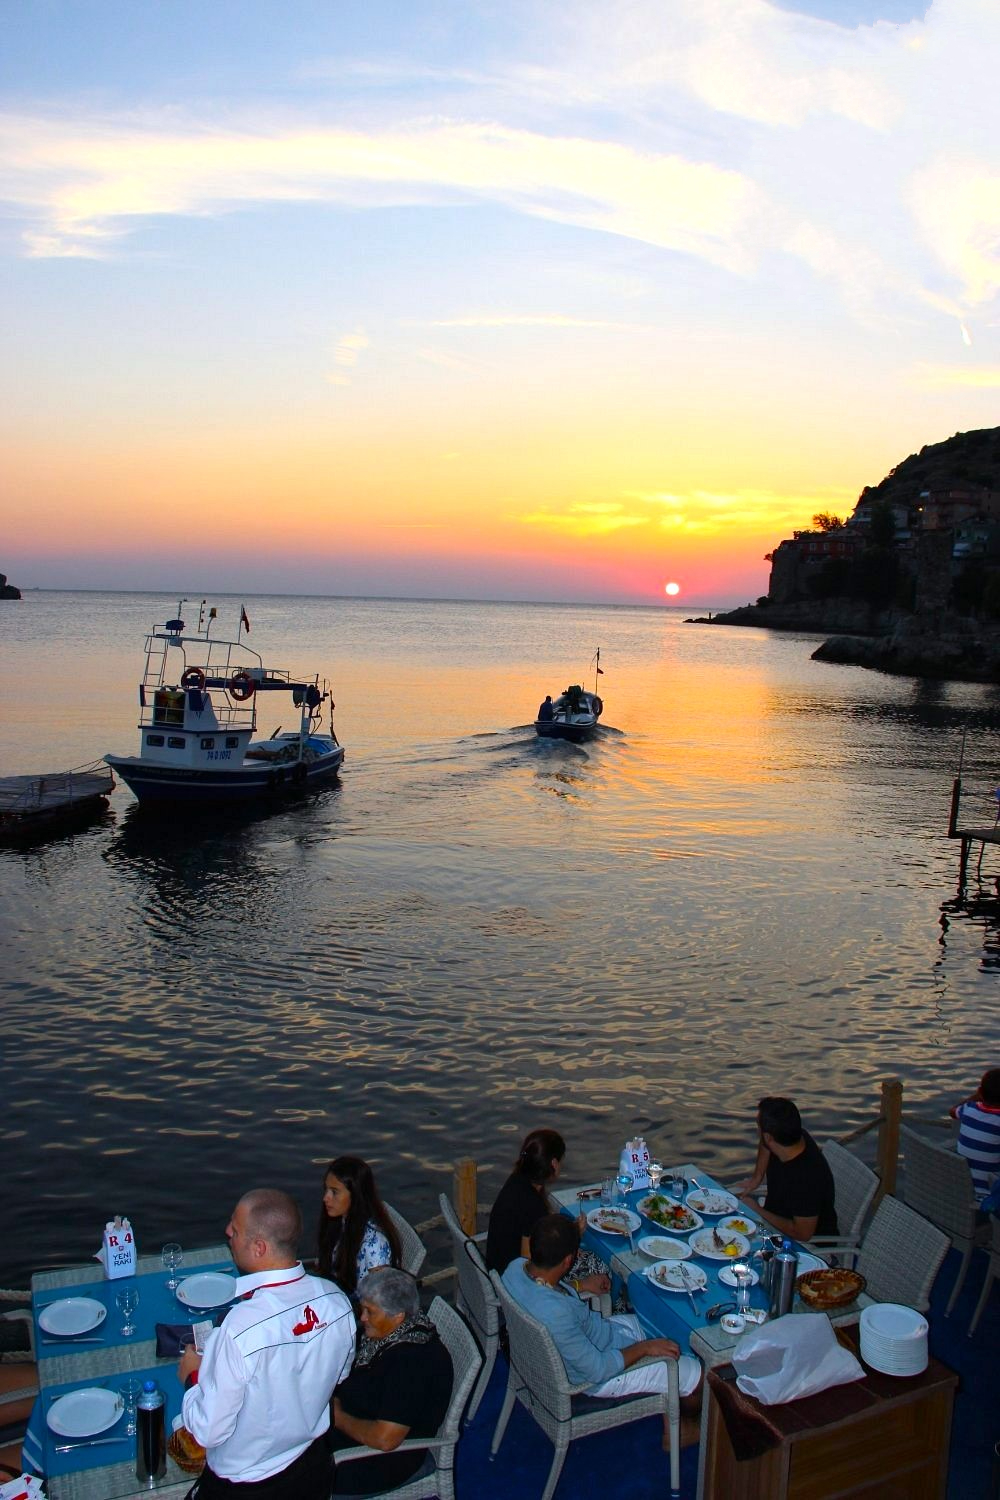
(797, 562)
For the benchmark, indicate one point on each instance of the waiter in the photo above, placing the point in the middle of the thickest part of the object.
(259, 1399)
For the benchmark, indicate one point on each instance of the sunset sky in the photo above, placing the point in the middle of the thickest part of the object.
(497, 300)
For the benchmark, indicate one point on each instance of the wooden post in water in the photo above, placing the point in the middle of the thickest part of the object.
(464, 1194)
(888, 1136)
(956, 797)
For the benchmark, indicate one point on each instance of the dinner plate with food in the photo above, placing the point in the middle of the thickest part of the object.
(739, 1224)
(712, 1202)
(659, 1248)
(614, 1220)
(672, 1276)
(669, 1214)
(716, 1244)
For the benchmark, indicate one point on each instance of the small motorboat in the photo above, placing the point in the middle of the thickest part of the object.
(198, 720)
(574, 714)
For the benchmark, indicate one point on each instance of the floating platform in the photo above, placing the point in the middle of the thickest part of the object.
(42, 804)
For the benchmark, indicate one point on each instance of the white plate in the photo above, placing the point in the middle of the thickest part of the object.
(207, 1289)
(701, 1243)
(739, 1224)
(83, 1413)
(72, 1315)
(622, 1220)
(665, 1203)
(893, 1321)
(809, 1262)
(658, 1248)
(712, 1202)
(669, 1277)
(728, 1279)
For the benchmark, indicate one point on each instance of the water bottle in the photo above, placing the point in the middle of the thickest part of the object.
(150, 1435)
(785, 1269)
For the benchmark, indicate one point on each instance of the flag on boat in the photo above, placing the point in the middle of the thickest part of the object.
(244, 621)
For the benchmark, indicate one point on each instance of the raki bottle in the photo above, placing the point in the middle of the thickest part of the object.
(785, 1268)
(150, 1434)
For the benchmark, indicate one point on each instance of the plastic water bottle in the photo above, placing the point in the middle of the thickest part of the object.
(151, 1435)
(785, 1269)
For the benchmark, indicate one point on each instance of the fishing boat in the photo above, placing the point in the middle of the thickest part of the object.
(199, 698)
(574, 714)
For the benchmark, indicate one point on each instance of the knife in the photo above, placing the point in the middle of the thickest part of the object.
(682, 1271)
(69, 1339)
(88, 1443)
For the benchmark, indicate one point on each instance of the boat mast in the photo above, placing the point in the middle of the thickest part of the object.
(597, 669)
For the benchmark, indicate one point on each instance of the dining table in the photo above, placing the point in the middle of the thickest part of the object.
(102, 1465)
(676, 1314)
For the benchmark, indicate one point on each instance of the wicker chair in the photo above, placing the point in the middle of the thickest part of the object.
(538, 1380)
(414, 1253)
(938, 1184)
(466, 1360)
(474, 1297)
(992, 1272)
(855, 1186)
(901, 1255)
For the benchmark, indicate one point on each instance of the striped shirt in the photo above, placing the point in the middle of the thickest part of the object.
(979, 1143)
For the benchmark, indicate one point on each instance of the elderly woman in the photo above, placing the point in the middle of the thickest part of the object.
(399, 1386)
(524, 1199)
(355, 1232)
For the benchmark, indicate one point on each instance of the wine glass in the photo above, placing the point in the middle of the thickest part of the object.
(623, 1184)
(130, 1391)
(126, 1301)
(172, 1256)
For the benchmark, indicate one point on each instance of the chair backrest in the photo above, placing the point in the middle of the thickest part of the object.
(478, 1298)
(414, 1253)
(534, 1356)
(466, 1361)
(901, 1254)
(938, 1184)
(855, 1186)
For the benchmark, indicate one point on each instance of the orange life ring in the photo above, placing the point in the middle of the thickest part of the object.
(242, 686)
(193, 677)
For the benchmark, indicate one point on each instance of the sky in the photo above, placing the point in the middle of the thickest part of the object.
(500, 299)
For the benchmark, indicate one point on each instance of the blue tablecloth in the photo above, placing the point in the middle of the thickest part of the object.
(156, 1305)
(40, 1443)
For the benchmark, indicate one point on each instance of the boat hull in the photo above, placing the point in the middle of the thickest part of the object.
(238, 784)
(555, 729)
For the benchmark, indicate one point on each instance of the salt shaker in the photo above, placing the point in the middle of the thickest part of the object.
(151, 1435)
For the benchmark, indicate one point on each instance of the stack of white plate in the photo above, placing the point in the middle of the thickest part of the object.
(894, 1339)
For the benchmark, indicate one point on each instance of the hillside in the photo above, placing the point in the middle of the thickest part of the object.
(968, 458)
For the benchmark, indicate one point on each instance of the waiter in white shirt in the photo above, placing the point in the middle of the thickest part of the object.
(259, 1399)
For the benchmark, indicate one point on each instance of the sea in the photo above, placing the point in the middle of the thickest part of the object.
(741, 886)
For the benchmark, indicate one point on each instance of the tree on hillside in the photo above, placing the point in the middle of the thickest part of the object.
(882, 529)
(824, 520)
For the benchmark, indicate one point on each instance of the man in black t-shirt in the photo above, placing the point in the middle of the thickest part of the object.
(399, 1387)
(800, 1189)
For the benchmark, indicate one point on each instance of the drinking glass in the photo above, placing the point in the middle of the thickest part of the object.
(623, 1184)
(741, 1275)
(607, 1192)
(131, 1389)
(126, 1301)
(172, 1256)
(677, 1186)
(655, 1173)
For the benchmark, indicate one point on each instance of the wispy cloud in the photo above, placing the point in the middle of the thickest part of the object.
(534, 320)
(584, 519)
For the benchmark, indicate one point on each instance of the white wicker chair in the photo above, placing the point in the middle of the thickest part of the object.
(466, 1360)
(474, 1297)
(414, 1253)
(992, 1272)
(901, 1255)
(538, 1380)
(938, 1184)
(855, 1186)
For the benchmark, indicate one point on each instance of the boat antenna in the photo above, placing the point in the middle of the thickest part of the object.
(598, 669)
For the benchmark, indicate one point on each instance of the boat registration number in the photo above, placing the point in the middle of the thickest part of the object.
(219, 754)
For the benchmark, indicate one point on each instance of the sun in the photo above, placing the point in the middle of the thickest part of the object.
(672, 589)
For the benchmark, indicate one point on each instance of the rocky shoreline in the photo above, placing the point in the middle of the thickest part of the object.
(946, 646)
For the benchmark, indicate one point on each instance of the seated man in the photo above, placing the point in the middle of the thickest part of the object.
(597, 1352)
(800, 1189)
(545, 710)
(399, 1387)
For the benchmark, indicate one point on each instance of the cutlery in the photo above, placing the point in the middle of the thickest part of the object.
(88, 1443)
(683, 1273)
(69, 1339)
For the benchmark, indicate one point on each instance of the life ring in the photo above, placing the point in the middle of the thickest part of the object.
(193, 677)
(277, 779)
(242, 686)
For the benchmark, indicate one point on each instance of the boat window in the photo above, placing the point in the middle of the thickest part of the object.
(176, 742)
(208, 743)
(154, 739)
(232, 741)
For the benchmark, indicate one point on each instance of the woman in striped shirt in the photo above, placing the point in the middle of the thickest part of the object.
(979, 1132)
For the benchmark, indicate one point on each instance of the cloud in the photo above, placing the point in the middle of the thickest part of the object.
(345, 356)
(584, 519)
(533, 320)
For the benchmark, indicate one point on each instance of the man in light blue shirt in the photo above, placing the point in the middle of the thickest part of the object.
(599, 1353)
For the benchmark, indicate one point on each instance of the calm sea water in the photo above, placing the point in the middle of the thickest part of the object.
(736, 889)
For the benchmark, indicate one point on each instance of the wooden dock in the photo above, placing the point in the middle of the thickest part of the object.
(983, 835)
(30, 803)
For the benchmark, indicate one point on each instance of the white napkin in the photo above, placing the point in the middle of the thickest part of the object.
(25, 1488)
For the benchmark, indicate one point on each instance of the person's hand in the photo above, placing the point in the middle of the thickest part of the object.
(662, 1349)
(748, 1185)
(189, 1362)
(598, 1283)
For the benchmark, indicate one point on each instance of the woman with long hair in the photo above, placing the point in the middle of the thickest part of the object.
(523, 1199)
(356, 1233)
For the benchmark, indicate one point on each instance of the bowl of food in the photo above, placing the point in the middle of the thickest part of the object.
(740, 1224)
(712, 1202)
(669, 1214)
(715, 1244)
(657, 1247)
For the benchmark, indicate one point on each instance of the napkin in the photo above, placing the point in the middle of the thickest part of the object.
(25, 1488)
(170, 1337)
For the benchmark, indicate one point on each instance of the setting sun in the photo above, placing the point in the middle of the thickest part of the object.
(672, 588)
